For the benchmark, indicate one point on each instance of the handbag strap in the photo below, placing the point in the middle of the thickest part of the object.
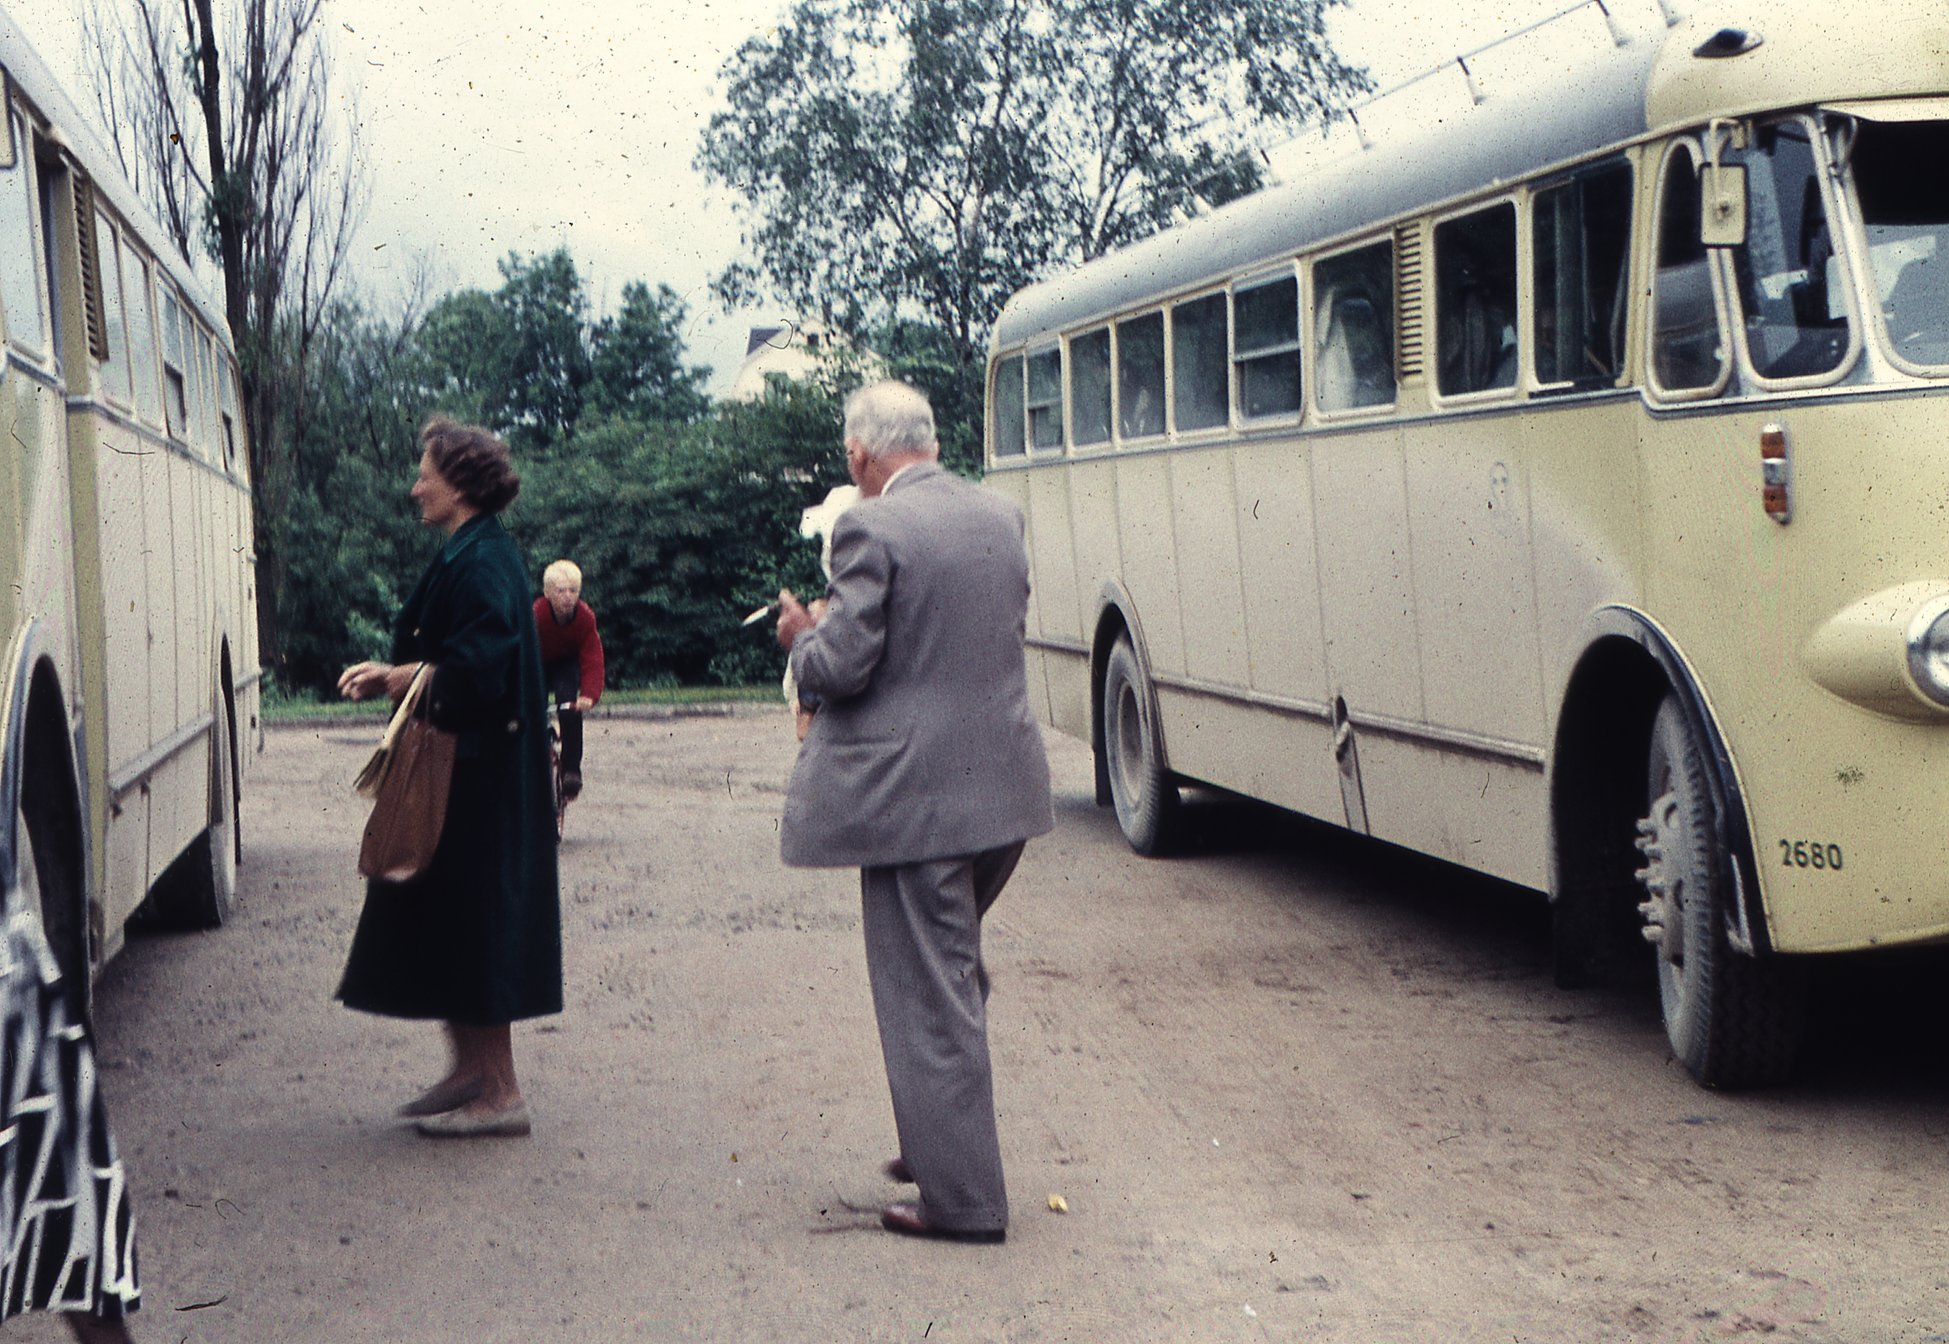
(404, 710)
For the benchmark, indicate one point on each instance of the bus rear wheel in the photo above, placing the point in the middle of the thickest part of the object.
(199, 889)
(1145, 795)
(1733, 1020)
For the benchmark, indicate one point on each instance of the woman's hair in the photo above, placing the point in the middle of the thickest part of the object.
(472, 461)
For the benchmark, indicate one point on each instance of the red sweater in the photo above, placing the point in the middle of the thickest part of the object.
(578, 639)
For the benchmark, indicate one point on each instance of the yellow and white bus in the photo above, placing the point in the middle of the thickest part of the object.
(1561, 490)
(127, 567)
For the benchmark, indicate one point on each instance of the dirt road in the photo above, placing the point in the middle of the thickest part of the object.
(1295, 1087)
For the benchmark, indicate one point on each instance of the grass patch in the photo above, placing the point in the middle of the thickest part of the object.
(279, 707)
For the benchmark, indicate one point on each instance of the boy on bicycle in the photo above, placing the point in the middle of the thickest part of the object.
(571, 660)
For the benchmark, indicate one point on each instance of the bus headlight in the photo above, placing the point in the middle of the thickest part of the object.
(1928, 650)
(1887, 651)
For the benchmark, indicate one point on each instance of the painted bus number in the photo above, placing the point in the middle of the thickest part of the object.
(1810, 854)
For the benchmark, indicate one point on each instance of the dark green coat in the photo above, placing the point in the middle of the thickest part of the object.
(477, 938)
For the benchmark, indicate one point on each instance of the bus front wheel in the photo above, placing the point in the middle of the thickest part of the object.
(1733, 1020)
(1145, 796)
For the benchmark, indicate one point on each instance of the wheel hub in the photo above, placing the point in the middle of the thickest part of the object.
(1663, 908)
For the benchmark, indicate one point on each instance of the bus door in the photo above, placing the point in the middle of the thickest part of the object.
(1360, 495)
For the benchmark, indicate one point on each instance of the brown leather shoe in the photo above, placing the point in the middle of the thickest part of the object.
(898, 1171)
(908, 1220)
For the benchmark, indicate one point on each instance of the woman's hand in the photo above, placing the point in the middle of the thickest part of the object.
(362, 681)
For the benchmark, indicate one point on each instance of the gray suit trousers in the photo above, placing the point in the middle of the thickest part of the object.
(930, 994)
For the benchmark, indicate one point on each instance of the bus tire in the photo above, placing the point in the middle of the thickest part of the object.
(52, 893)
(1141, 789)
(1733, 1020)
(199, 890)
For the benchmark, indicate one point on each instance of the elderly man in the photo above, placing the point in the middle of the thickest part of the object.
(925, 768)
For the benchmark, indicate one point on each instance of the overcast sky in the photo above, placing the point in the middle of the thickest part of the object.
(492, 126)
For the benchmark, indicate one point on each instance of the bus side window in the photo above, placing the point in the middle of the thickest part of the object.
(227, 405)
(1089, 388)
(1353, 328)
(1475, 301)
(20, 272)
(1045, 400)
(1582, 253)
(175, 388)
(1198, 363)
(1688, 352)
(1140, 376)
(1791, 291)
(206, 395)
(1266, 345)
(114, 368)
(1006, 427)
(142, 334)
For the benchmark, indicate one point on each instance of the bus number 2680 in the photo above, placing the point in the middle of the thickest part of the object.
(1809, 854)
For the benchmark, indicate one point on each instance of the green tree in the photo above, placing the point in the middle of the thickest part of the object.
(636, 360)
(903, 158)
(546, 335)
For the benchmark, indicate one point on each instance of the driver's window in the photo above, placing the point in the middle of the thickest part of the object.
(1792, 295)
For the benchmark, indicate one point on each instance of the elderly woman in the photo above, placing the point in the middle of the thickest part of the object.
(476, 939)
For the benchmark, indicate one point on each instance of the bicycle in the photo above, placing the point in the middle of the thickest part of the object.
(560, 798)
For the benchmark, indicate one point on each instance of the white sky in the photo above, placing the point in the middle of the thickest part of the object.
(523, 125)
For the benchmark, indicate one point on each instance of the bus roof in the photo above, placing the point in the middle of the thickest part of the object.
(1813, 51)
(30, 76)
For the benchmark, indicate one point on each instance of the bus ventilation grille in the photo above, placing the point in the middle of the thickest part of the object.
(1408, 269)
(91, 272)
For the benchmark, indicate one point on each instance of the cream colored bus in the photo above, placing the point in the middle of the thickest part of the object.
(127, 601)
(1562, 490)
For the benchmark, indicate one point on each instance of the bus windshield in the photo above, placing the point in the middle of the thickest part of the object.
(1905, 211)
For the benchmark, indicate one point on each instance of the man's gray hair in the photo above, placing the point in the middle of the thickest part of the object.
(890, 419)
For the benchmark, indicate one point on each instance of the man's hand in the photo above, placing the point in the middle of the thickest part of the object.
(794, 618)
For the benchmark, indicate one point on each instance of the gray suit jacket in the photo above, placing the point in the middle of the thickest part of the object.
(925, 747)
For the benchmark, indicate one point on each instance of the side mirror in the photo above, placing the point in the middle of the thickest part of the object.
(1722, 194)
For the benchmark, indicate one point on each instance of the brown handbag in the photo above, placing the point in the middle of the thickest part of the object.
(411, 806)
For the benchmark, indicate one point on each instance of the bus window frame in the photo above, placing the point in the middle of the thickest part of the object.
(1626, 376)
(25, 162)
(1310, 367)
(1117, 324)
(1523, 315)
(1260, 279)
(1230, 423)
(1717, 268)
(1839, 229)
(1106, 327)
(108, 262)
(149, 396)
(1031, 450)
(231, 419)
(1866, 283)
(175, 426)
(997, 370)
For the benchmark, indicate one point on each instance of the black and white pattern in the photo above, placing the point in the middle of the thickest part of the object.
(68, 1229)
